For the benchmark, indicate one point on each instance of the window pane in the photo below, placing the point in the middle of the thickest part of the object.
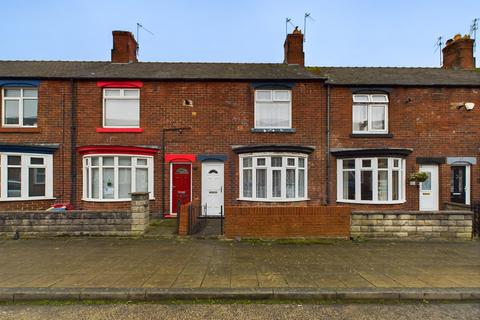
(95, 161)
(124, 182)
(290, 162)
(14, 160)
(395, 186)
(349, 185)
(247, 162)
(366, 163)
(378, 117)
(366, 185)
(290, 183)
(14, 176)
(360, 118)
(36, 161)
(301, 162)
(30, 93)
(272, 115)
(265, 95)
(261, 186)
(261, 162)
(131, 93)
(383, 163)
(141, 180)
(301, 183)
(141, 162)
(281, 95)
(122, 113)
(360, 98)
(108, 161)
(36, 182)
(276, 183)
(29, 112)
(396, 163)
(427, 184)
(12, 93)
(382, 185)
(112, 93)
(125, 161)
(276, 161)
(247, 183)
(379, 98)
(11, 112)
(108, 183)
(349, 164)
(95, 183)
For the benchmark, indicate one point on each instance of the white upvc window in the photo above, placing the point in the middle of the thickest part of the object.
(114, 177)
(19, 107)
(371, 180)
(121, 108)
(370, 113)
(273, 177)
(26, 176)
(273, 109)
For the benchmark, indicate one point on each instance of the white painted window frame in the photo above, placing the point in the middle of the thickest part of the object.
(25, 165)
(269, 168)
(20, 106)
(121, 97)
(87, 187)
(272, 101)
(370, 104)
(374, 169)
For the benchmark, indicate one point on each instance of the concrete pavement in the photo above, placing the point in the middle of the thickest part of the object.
(110, 263)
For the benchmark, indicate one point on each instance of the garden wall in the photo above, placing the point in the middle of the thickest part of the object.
(412, 225)
(287, 222)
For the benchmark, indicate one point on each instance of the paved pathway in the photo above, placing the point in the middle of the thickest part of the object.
(110, 262)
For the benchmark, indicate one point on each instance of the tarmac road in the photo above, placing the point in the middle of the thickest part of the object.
(242, 311)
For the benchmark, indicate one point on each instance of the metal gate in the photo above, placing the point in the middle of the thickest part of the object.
(476, 218)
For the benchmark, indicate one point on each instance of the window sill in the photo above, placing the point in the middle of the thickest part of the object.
(20, 130)
(120, 130)
(372, 202)
(371, 135)
(27, 199)
(110, 200)
(271, 200)
(273, 130)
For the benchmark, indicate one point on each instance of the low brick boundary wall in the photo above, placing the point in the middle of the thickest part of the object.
(183, 219)
(37, 224)
(287, 222)
(412, 225)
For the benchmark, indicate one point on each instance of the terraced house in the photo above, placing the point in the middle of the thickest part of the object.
(90, 133)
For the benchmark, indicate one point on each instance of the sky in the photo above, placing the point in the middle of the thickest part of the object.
(343, 33)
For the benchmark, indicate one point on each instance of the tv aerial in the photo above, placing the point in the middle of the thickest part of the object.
(438, 46)
(305, 17)
(140, 26)
(288, 21)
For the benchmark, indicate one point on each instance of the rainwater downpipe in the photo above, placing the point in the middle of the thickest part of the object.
(73, 141)
(329, 160)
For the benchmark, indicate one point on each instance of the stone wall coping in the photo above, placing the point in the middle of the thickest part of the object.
(63, 212)
(397, 212)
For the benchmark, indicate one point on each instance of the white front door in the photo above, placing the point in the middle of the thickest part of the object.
(212, 187)
(429, 189)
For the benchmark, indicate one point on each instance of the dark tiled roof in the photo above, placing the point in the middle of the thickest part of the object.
(153, 70)
(368, 76)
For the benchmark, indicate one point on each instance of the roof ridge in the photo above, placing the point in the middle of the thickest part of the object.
(152, 62)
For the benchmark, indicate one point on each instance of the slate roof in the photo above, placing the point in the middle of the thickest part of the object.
(387, 76)
(153, 70)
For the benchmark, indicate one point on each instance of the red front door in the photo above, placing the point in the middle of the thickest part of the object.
(181, 184)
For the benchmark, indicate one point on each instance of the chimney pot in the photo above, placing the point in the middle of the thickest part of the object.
(124, 47)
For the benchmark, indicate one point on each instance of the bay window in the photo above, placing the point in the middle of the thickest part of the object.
(371, 180)
(370, 113)
(19, 107)
(273, 109)
(114, 177)
(26, 176)
(273, 177)
(121, 108)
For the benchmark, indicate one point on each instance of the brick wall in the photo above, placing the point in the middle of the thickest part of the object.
(412, 225)
(287, 222)
(422, 119)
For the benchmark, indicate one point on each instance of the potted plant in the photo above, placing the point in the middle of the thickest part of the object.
(418, 177)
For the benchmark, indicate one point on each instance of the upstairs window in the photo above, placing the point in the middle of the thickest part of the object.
(19, 107)
(273, 109)
(370, 113)
(121, 108)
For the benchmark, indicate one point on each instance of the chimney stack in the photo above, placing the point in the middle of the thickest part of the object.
(458, 53)
(294, 48)
(124, 47)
